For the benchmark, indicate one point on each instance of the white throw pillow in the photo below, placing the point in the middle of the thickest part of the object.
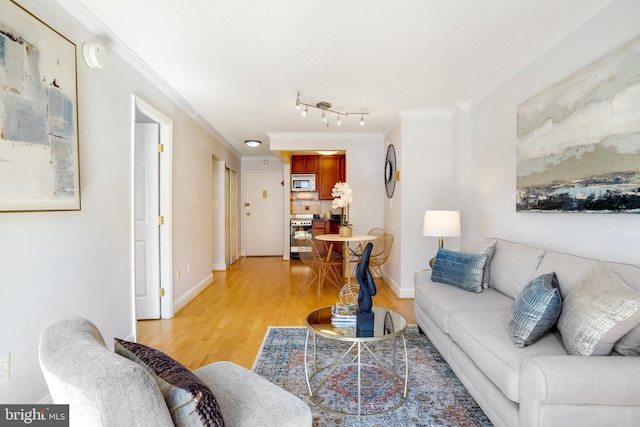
(597, 312)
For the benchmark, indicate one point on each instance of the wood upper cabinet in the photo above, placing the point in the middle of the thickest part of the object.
(304, 164)
(328, 171)
(331, 169)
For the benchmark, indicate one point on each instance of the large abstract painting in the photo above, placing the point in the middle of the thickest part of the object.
(38, 115)
(579, 141)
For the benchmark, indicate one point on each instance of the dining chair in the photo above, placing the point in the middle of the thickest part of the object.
(320, 266)
(378, 248)
(382, 253)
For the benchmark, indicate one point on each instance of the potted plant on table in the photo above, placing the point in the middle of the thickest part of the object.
(342, 196)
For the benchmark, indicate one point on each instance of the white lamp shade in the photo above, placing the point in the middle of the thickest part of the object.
(441, 224)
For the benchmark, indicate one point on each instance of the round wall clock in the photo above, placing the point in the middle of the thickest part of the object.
(390, 170)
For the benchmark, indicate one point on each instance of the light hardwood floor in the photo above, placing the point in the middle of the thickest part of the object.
(229, 319)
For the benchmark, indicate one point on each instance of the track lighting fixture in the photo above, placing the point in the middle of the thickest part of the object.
(326, 108)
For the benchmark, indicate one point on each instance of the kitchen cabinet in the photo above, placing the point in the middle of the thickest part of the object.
(304, 164)
(331, 169)
(321, 226)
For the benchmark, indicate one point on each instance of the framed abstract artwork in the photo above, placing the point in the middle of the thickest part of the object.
(579, 141)
(39, 166)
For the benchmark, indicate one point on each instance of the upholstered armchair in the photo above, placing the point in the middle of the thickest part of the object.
(104, 388)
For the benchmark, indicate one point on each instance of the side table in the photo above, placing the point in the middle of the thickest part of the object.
(389, 325)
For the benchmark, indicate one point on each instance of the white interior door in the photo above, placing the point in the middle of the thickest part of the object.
(263, 213)
(147, 229)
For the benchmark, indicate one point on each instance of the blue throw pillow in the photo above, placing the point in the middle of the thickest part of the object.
(459, 269)
(536, 310)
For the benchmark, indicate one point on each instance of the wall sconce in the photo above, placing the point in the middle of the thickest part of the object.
(441, 224)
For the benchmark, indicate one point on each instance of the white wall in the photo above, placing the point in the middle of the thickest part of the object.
(392, 210)
(427, 156)
(57, 264)
(492, 151)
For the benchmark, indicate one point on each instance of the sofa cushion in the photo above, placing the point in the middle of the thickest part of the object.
(439, 300)
(513, 266)
(459, 269)
(597, 313)
(247, 399)
(569, 269)
(628, 273)
(190, 401)
(486, 247)
(536, 310)
(484, 336)
(629, 344)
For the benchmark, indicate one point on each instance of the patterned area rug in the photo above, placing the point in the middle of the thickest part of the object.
(435, 395)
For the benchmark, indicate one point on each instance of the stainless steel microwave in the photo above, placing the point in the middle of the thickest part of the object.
(303, 182)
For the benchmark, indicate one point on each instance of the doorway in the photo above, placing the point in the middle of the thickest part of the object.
(263, 210)
(151, 213)
(231, 216)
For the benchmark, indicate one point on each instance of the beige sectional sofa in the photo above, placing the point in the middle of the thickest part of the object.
(540, 384)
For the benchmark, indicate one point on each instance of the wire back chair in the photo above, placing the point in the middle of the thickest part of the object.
(320, 266)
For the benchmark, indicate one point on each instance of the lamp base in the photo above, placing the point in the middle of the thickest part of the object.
(440, 245)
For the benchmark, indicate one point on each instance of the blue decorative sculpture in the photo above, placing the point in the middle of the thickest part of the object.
(365, 317)
(365, 280)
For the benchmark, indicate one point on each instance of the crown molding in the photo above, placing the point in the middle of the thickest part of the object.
(110, 39)
(570, 25)
(424, 114)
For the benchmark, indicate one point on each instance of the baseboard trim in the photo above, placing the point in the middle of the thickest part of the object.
(182, 302)
(399, 291)
(219, 267)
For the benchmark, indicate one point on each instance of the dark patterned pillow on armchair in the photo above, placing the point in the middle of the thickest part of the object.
(190, 401)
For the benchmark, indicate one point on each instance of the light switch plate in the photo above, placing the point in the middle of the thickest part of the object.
(5, 368)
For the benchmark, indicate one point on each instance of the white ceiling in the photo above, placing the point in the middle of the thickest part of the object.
(240, 63)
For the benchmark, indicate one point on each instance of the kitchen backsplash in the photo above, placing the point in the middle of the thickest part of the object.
(308, 203)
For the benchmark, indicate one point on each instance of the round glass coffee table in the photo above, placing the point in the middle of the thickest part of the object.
(360, 372)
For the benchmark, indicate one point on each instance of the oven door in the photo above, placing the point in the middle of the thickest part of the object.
(299, 231)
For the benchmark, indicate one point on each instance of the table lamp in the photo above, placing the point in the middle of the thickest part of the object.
(441, 224)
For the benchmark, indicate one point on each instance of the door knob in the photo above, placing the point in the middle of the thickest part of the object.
(247, 204)
(248, 213)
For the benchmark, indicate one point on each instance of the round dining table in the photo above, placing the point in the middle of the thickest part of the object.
(345, 248)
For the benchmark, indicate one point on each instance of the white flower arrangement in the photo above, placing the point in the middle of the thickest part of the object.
(342, 196)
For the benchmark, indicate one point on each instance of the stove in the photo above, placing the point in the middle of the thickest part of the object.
(301, 225)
